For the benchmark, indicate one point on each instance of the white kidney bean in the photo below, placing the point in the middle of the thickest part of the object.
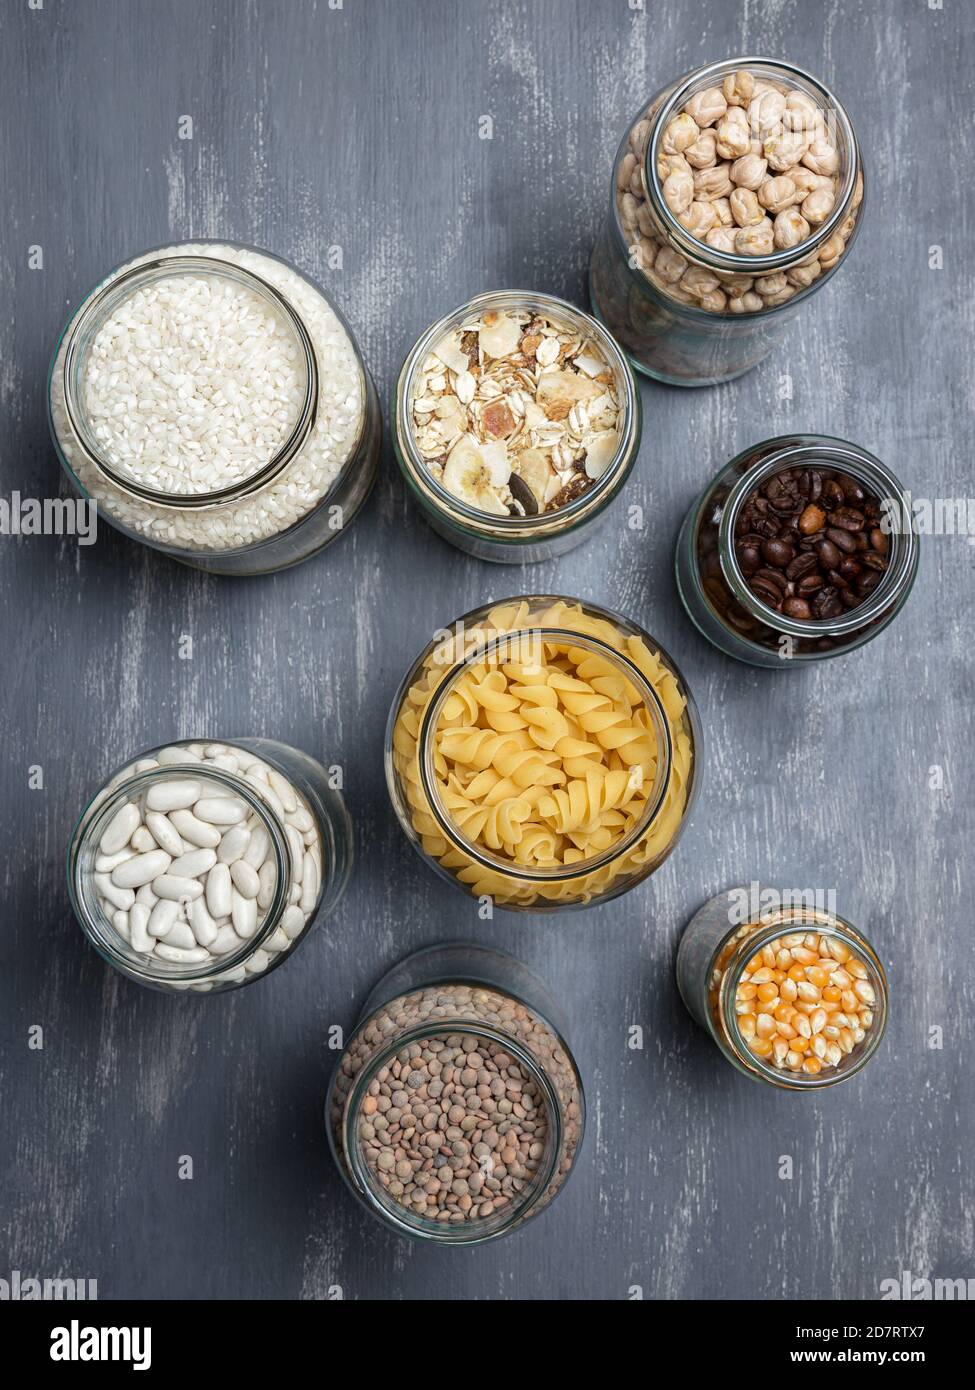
(180, 957)
(120, 829)
(204, 927)
(243, 915)
(138, 924)
(162, 919)
(245, 879)
(196, 831)
(181, 935)
(218, 890)
(197, 862)
(256, 852)
(176, 888)
(143, 841)
(173, 795)
(105, 863)
(141, 868)
(164, 833)
(234, 844)
(118, 897)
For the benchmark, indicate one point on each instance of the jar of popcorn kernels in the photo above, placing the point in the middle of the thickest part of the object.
(543, 753)
(456, 1112)
(792, 994)
(736, 194)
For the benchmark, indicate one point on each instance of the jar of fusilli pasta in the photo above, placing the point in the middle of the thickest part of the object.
(542, 753)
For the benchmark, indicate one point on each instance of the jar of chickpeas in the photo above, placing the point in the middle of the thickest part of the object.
(793, 995)
(737, 192)
(543, 753)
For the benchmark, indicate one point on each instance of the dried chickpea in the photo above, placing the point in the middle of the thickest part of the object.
(789, 228)
(707, 107)
(702, 154)
(755, 239)
(738, 88)
(679, 192)
(817, 205)
(733, 137)
(745, 208)
(682, 131)
(778, 194)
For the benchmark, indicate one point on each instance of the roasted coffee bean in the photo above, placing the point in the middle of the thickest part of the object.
(879, 541)
(868, 581)
(768, 593)
(796, 608)
(775, 577)
(778, 553)
(809, 584)
(841, 538)
(849, 568)
(813, 519)
(802, 564)
(827, 604)
(833, 495)
(873, 560)
(848, 519)
(829, 555)
(852, 490)
(749, 558)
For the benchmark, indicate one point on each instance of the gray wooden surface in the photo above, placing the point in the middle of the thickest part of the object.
(358, 127)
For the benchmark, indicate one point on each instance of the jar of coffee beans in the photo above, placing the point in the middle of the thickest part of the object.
(517, 424)
(201, 866)
(793, 995)
(213, 403)
(801, 548)
(736, 194)
(456, 1112)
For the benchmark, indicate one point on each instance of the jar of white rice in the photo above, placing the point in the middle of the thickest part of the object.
(214, 405)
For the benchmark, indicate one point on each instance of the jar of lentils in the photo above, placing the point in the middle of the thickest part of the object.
(736, 194)
(796, 551)
(543, 753)
(517, 424)
(201, 866)
(456, 1112)
(793, 996)
(214, 404)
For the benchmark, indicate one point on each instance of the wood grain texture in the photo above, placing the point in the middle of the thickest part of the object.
(358, 127)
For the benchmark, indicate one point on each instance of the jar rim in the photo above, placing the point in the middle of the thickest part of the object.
(778, 922)
(96, 815)
(847, 458)
(115, 289)
(654, 803)
(518, 529)
(728, 261)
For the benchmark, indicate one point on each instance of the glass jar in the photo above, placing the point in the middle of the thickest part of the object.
(543, 753)
(512, 1150)
(802, 950)
(516, 536)
(713, 587)
(201, 866)
(263, 518)
(691, 313)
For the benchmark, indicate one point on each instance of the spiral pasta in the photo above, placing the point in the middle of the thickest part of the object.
(545, 755)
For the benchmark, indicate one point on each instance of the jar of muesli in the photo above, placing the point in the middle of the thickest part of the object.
(456, 1112)
(212, 402)
(736, 194)
(792, 994)
(796, 551)
(517, 423)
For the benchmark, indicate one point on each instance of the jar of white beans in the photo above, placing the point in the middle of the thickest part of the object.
(200, 866)
(213, 403)
(792, 994)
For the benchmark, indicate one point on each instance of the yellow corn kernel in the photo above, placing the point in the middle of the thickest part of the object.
(747, 1024)
(764, 1025)
(803, 956)
(817, 976)
(761, 1047)
(808, 993)
(812, 1065)
(817, 1020)
(767, 992)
